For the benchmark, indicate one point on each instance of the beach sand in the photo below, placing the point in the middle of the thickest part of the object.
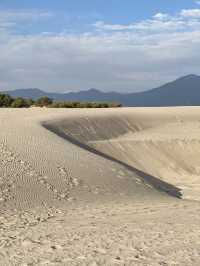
(100, 186)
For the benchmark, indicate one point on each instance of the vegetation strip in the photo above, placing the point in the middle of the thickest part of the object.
(8, 101)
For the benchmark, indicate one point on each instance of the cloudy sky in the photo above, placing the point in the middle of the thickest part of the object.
(126, 46)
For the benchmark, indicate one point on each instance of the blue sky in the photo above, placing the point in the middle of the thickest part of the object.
(81, 14)
(112, 10)
(110, 45)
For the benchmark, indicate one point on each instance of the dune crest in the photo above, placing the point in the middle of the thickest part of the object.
(160, 145)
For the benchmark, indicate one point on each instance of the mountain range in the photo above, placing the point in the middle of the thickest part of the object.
(183, 91)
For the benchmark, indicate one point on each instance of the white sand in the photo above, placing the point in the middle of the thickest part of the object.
(63, 204)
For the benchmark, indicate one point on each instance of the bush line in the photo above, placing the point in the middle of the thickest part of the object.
(19, 102)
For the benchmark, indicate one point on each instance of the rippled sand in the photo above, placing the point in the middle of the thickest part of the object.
(100, 187)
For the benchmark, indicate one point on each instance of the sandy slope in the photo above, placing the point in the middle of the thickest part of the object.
(162, 143)
(93, 193)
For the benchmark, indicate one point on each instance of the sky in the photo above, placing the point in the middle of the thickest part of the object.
(110, 45)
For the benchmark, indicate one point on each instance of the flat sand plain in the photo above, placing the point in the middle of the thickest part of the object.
(100, 186)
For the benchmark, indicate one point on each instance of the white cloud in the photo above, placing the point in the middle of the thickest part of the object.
(10, 18)
(23, 14)
(191, 13)
(137, 56)
(184, 20)
(102, 26)
(161, 16)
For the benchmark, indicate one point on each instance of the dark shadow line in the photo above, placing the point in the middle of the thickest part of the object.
(154, 181)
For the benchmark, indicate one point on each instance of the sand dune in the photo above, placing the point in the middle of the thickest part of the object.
(91, 187)
(157, 144)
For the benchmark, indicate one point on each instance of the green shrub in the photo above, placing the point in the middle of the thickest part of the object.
(44, 101)
(8, 101)
(21, 102)
(5, 100)
(66, 104)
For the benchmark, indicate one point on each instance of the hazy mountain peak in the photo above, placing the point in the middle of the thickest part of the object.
(183, 91)
(30, 89)
(189, 77)
(93, 90)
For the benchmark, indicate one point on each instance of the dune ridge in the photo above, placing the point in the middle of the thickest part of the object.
(58, 170)
(161, 147)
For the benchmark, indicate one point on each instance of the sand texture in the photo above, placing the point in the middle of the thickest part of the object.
(100, 186)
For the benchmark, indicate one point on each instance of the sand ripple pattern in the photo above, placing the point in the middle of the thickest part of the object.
(23, 176)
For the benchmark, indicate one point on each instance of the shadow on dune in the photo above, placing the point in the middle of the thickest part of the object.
(145, 177)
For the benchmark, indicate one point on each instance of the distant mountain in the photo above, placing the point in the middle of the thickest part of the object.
(27, 93)
(183, 91)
